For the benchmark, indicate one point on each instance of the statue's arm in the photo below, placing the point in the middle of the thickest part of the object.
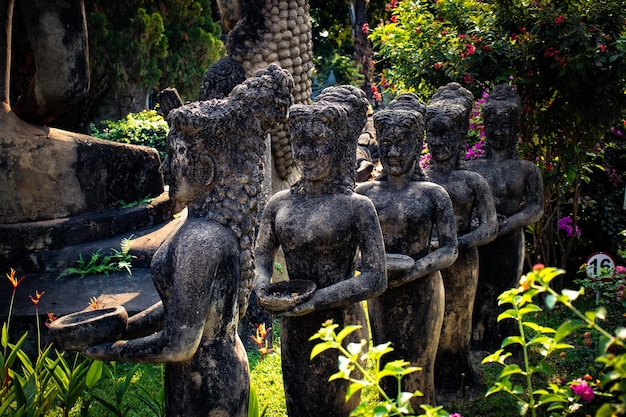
(196, 268)
(146, 322)
(372, 280)
(533, 210)
(447, 251)
(265, 248)
(487, 229)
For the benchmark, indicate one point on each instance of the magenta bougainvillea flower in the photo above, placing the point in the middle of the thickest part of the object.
(582, 389)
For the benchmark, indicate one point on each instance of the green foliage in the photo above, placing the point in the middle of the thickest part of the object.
(115, 261)
(351, 358)
(34, 388)
(193, 44)
(520, 382)
(147, 128)
(153, 44)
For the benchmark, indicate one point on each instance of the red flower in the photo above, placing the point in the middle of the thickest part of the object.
(438, 65)
(468, 78)
(365, 28)
(51, 317)
(14, 281)
(444, 32)
(521, 30)
(559, 19)
(470, 48)
(35, 300)
(602, 48)
(394, 19)
(538, 267)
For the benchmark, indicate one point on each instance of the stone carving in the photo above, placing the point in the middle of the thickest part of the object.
(517, 189)
(203, 271)
(57, 30)
(321, 225)
(60, 188)
(272, 31)
(410, 312)
(447, 119)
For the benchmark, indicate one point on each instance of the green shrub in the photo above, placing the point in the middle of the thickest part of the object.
(146, 128)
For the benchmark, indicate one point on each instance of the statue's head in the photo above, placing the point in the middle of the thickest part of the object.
(215, 157)
(400, 133)
(269, 95)
(501, 113)
(447, 122)
(324, 137)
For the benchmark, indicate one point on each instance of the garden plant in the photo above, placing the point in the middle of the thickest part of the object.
(567, 60)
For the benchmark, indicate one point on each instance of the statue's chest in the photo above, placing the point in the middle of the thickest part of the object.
(323, 224)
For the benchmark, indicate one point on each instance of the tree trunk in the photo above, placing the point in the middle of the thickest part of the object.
(363, 50)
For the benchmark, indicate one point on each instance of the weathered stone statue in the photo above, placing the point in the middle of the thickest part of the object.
(410, 312)
(57, 31)
(517, 188)
(447, 119)
(322, 225)
(203, 271)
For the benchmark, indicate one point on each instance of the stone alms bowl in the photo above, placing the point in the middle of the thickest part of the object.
(79, 330)
(282, 296)
(398, 265)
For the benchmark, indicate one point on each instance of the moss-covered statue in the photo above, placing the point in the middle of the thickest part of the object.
(322, 225)
(411, 210)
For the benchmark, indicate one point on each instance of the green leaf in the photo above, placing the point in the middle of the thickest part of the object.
(567, 328)
(511, 370)
(354, 388)
(93, 374)
(511, 340)
(321, 347)
(347, 330)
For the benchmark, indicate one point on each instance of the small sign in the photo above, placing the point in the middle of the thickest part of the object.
(600, 263)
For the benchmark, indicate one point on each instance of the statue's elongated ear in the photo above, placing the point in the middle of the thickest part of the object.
(207, 167)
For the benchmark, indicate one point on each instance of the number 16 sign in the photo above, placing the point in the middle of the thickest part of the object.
(600, 263)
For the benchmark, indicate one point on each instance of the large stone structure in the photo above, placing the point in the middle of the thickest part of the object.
(321, 225)
(409, 314)
(203, 271)
(54, 183)
(447, 119)
(517, 188)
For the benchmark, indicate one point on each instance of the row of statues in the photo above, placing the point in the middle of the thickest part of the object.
(329, 227)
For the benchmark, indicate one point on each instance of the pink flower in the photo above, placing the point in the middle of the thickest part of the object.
(620, 269)
(582, 389)
(455, 415)
(470, 48)
(365, 28)
(468, 78)
(438, 65)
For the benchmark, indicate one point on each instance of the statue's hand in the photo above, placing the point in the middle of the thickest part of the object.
(300, 310)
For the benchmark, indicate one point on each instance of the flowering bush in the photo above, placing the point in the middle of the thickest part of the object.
(567, 60)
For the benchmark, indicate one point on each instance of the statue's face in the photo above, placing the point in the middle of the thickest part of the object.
(444, 139)
(312, 150)
(500, 129)
(396, 149)
(178, 169)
